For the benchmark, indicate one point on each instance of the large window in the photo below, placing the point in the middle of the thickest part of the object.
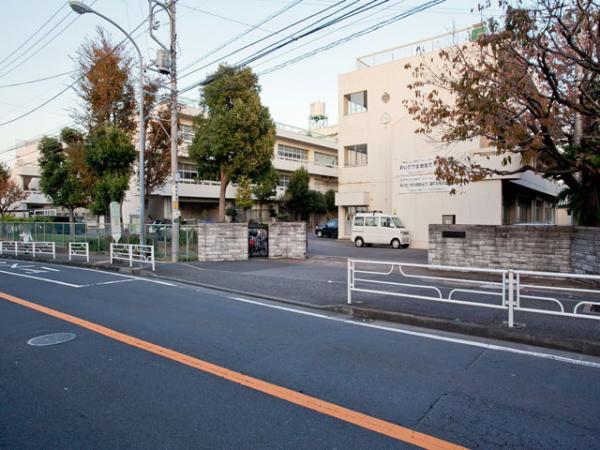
(355, 155)
(187, 172)
(291, 153)
(187, 134)
(284, 180)
(355, 103)
(323, 159)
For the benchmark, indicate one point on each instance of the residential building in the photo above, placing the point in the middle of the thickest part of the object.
(385, 166)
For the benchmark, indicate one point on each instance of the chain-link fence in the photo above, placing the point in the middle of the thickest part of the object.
(99, 237)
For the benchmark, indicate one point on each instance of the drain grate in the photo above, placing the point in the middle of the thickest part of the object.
(51, 339)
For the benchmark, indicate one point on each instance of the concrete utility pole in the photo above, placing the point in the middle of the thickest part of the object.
(175, 212)
(169, 8)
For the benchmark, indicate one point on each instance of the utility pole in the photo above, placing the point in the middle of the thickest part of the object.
(175, 211)
(171, 50)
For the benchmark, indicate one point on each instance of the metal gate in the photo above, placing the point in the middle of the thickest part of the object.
(258, 240)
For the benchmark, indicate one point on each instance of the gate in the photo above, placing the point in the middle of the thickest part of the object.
(258, 240)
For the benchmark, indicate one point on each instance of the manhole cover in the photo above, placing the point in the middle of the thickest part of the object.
(51, 339)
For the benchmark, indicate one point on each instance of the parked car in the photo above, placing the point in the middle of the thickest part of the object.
(377, 228)
(329, 229)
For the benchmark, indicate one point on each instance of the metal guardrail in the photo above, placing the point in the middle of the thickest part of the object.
(32, 248)
(79, 249)
(132, 252)
(508, 288)
(566, 306)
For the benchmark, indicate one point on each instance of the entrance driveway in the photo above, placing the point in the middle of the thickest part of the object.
(346, 249)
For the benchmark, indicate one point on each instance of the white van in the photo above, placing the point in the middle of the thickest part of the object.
(378, 228)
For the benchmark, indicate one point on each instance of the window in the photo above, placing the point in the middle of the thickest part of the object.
(291, 153)
(386, 222)
(523, 210)
(355, 155)
(359, 221)
(187, 134)
(371, 221)
(332, 223)
(284, 180)
(397, 222)
(355, 103)
(323, 159)
(187, 172)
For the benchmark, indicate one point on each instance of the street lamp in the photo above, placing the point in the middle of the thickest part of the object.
(82, 8)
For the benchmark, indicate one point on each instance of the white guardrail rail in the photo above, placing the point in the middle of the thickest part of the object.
(33, 248)
(501, 289)
(79, 249)
(133, 253)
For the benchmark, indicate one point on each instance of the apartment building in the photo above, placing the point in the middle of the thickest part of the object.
(385, 166)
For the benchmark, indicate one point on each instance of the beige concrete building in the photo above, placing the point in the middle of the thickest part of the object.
(385, 166)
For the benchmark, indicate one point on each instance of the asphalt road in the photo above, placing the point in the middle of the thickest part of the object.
(238, 373)
(346, 249)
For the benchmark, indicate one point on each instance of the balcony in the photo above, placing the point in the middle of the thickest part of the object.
(291, 165)
(36, 197)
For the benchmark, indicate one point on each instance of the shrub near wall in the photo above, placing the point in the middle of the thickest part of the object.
(542, 248)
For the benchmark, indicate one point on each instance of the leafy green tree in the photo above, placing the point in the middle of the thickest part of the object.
(298, 199)
(243, 198)
(266, 188)
(63, 176)
(235, 137)
(318, 205)
(330, 206)
(110, 154)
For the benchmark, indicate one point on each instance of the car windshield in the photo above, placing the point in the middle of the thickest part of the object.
(397, 222)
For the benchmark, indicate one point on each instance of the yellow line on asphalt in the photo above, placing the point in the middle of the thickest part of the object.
(359, 419)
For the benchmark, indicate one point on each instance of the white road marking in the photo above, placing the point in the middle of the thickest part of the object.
(133, 277)
(108, 282)
(62, 283)
(500, 348)
(50, 269)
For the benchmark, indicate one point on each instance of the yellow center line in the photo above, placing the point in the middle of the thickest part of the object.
(359, 419)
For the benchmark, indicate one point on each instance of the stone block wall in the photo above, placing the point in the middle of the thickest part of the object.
(542, 248)
(222, 242)
(585, 250)
(287, 240)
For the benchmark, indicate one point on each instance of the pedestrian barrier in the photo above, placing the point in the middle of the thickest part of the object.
(501, 289)
(132, 252)
(79, 249)
(549, 294)
(32, 248)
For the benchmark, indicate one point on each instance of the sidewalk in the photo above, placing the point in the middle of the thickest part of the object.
(321, 283)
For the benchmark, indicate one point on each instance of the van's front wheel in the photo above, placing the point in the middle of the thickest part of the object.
(359, 242)
(395, 243)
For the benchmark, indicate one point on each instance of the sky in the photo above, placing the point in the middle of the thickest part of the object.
(203, 26)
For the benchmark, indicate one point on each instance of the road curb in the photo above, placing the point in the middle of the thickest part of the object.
(241, 292)
(585, 347)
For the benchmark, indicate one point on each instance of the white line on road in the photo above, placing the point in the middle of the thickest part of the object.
(483, 345)
(50, 269)
(62, 283)
(108, 282)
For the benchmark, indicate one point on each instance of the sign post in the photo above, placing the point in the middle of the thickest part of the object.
(115, 221)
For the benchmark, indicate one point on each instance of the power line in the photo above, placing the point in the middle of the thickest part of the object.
(31, 111)
(229, 19)
(41, 27)
(287, 7)
(294, 37)
(395, 18)
(37, 80)
(11, 69)
(262, 39)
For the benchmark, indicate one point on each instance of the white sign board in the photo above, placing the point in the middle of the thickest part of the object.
(115, 221)
(418, 175)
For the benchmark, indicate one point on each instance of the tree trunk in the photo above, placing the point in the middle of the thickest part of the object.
(224, 183)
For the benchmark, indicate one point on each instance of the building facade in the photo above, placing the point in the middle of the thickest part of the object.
(385, 166)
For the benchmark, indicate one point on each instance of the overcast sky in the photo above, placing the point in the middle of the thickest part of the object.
(202, 25)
